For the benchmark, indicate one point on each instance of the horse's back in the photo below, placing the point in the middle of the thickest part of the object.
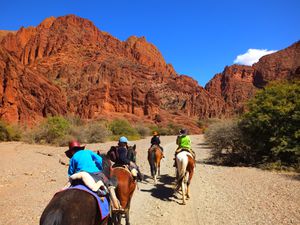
(155, 154)
(71, 207)
(126, 185)
(184, 162)
(191, 163)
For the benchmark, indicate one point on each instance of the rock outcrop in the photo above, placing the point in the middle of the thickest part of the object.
(25, 95)
(237, 83)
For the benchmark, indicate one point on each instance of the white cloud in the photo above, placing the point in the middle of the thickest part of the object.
(252, 56)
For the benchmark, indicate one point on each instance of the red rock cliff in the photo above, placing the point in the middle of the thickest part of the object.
(237, 83)
(66, 65)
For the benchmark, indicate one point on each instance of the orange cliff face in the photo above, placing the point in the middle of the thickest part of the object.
(66, 65)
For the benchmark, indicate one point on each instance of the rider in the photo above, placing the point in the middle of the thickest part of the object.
(156, 141)
(123, 158)
(86, 165)
(184, 143)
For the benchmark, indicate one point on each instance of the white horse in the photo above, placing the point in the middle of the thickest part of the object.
(185, 165)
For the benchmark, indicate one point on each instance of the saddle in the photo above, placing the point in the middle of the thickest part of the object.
(132, 171)
(186, 150)
(153, 147)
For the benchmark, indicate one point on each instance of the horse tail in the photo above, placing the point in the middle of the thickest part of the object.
(182, 162)
(152, 162)
(54, 217)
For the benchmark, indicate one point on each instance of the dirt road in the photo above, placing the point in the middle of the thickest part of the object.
(31, 174)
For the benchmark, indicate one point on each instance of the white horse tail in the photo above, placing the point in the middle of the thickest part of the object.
(182, 162)
(182, 174)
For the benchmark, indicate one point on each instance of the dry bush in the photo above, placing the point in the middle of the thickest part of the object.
(227, 143)
(9, 132)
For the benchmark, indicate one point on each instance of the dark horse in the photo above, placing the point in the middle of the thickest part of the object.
(154, 157)
(125, 188)
(75, 207)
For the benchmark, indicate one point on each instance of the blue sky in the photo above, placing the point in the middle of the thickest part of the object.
(198, 37)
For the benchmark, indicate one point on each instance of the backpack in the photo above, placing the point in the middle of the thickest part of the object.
(113, 154)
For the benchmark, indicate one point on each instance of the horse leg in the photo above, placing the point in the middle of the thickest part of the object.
(119, 219)
(127, 217)
(183, 191)
(114, 219)
(186, 181)
(155, 173)
(190, 169)
(158, 167)
(127, 211)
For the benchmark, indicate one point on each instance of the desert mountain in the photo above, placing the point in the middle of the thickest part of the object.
(66, 65)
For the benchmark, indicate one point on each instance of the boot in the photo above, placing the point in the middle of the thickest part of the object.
(140, 176)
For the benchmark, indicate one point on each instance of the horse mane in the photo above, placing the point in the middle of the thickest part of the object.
(105, 163)
(131, 153)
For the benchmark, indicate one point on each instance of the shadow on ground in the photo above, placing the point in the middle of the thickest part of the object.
(161, 189)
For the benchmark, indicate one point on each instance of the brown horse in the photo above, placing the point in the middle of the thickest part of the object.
(154, 157)
(125, 188)
(185, 165)
(74, 206)
(124, 192)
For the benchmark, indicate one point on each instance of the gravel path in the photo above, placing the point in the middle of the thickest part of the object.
(31, 174)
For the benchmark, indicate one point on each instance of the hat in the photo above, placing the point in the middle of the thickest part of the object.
(183, 132)
(75, 145)
(155, 133)
(123, 140)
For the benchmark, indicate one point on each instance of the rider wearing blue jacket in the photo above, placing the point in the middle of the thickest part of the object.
(87, 161)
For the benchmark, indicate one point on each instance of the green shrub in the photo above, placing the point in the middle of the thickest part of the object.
(75, 121)
(267, 135)
(173, 129)
(123, 128)
(96, 132)
(163, 131)
(51, 131)
(170, 129)
(9, 132)
(272, 125)
(143, 130)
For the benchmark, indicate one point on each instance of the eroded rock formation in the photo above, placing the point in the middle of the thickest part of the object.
(66, 65)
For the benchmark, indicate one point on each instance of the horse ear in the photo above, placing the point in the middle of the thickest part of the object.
(98, 153)
(134, 147)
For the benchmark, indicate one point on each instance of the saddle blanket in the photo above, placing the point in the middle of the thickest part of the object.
(103, 204)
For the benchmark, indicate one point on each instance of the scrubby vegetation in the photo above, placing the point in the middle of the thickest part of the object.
(268, 134)
(228, 144)
(9, 132)
(123, 128)
(59, 130)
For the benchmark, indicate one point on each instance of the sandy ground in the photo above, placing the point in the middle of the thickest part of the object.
(31, 174)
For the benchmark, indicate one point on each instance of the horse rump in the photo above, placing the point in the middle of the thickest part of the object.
(61, 209)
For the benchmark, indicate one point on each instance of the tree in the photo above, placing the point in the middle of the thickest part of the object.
(272, 124)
